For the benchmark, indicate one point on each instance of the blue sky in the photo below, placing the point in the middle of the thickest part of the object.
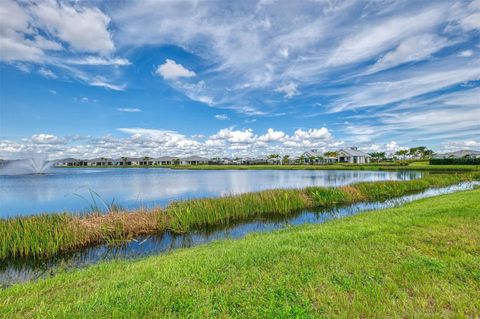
(113, 78)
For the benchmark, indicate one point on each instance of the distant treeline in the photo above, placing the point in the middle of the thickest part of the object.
(452, 161)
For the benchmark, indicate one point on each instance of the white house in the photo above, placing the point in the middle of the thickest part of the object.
(310, 157)
(65, 162)
(459, 154)
(166, 160)
(100, 161)
(352, 155)
(128, 161)
(194, 160)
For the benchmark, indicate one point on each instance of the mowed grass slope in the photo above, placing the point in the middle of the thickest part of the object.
(420, 260)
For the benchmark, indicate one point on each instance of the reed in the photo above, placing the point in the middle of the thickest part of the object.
(49, 234)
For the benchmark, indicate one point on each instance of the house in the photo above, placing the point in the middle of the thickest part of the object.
(274, 160)
(459, 154)
(166, 160)
(222, 161)
(310, 157)
(352, 155)
(100, 161)
(69, 162)
(254, 161)
(194, 160)
(128, 161)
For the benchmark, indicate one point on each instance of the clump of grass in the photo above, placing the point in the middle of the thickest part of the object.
(39, 235)
(46, 235)
(184, 215)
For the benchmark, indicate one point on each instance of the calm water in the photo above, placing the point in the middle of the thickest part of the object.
(69, 189)
(18, 270)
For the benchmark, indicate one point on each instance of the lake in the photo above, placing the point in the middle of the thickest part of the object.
(74, 190)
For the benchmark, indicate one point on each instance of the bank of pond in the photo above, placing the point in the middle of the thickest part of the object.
(51, 234)
(419, 260)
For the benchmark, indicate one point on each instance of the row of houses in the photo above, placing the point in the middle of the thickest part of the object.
(134, 161)
(459, 154)
(348, 155)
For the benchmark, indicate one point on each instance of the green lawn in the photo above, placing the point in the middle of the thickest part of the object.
(420, 260)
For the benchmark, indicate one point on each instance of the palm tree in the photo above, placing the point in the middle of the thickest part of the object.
(301, 159)
(330, 154)
(275, 157)
(286, 159)
(402, 153)
(378, 156)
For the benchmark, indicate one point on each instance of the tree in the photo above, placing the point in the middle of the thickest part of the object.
(378, 156)
(420, 152)
(330, 154)
(428, 153)
(301, 159)
(275, 157)
(312, 159)
(286, 159)
(402, 153)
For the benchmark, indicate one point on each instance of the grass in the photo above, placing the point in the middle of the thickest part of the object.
(47, 235)
(420, 260)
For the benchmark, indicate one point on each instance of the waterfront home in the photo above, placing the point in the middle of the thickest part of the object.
(254, 161)
(128, 161)
(310, 157)
(194, 160)
(100, 161)
(274, 160)
(166, 160)
(352, 155)
(459, 154)
(69, 162)
(221, 161)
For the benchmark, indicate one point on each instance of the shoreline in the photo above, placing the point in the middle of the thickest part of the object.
(47, 235)
(372, 166)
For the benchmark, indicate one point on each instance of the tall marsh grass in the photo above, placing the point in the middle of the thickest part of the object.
(46, 235)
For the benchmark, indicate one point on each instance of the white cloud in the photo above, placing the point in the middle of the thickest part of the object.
(25, 68)
(272, 135)
(316, 134)
(129, 110)
(221, 117)
(170, 70)
(471, 22)
(466, 53)
(407, 84)
(84, 28)
(95, 60)
(102, 82)
(462, 145)
(47, 139)
(415, 48)
(290, 90)
(393, 146)
(47, 73)
(380, 36)
(245, 136)
(53, 92)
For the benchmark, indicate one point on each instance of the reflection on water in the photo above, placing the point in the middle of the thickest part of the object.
(69, 189)
(19, 271)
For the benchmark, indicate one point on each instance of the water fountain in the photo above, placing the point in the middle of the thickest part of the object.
(36, 164)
